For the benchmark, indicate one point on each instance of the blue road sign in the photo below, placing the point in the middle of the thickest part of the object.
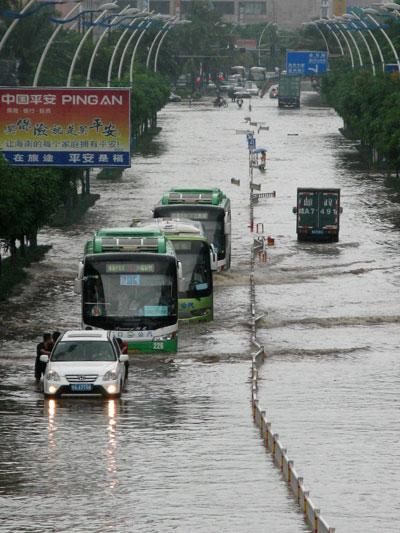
(392, 68)
(306, 63)
(251, 143)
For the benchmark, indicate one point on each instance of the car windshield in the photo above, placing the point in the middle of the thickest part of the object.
(70, 351)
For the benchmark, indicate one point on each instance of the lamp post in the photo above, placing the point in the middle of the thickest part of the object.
(369, 12)
(165, 28)
(49, 43)
(315, 25)
(328, 22)
(121, 61)
(259, 41)
(145, 28)
(126, 11)
(25, 13)
(368, 28)
(324, 23)
(110, 66)
(104, 8)
(390, 6)
(342, 21)
(178, 23)
(352, 20)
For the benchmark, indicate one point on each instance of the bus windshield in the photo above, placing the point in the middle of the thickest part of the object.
(257, 74)
(129, 292)
(211, 217)
(195, 258)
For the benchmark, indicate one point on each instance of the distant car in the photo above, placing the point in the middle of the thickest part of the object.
(85, 363)
(224, 87)
(174, 97)
(273, 92)
(252, 88)
(181, 82)
(241, 92)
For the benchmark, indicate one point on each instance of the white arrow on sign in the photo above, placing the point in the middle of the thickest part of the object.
(314, 69)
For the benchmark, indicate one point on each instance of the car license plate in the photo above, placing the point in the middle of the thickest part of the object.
(81, 387)
(317, 232)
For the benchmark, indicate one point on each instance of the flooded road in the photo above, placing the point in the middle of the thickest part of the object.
(179, 451)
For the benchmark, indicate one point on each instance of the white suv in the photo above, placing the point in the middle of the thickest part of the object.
(85, 362)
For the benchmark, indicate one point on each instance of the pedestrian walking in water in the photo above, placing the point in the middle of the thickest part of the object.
(43, 348)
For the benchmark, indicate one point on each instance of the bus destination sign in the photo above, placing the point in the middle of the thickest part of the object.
(123, 268)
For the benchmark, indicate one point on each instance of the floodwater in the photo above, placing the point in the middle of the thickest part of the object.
(179, 451)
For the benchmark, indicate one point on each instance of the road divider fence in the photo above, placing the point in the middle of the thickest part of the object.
(271, 440)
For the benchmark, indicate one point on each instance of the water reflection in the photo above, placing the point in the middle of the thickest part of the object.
(112, 443)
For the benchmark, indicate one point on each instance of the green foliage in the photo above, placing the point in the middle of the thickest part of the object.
(150, 93)
(370, 108)
(28, 198)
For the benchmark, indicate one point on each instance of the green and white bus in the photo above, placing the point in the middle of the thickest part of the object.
(210, 207)
(195, 301)
(129, 280)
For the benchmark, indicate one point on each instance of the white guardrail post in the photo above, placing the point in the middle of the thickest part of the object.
(270, 439)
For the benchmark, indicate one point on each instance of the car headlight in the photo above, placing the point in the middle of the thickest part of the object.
(111, 375)
(52, 376)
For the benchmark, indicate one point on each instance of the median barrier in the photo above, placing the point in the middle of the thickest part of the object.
(271, 440)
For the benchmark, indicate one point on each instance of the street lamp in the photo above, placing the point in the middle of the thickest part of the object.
(49, 43)
(369, 12)
(361, 21)
(332, 22)
(342, 21)
(165, 28)
(352, 20)
(308, 24)
(324, 23)
(137, 28)
(25, 13)
(125, 11)
(130, 26)
(145, 28)
(259, 41)
(178, 23)
(391, 6)
(104, 8)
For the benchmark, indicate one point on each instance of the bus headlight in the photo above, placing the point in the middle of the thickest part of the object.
(167, 337)
(52, 376)
(111, 375)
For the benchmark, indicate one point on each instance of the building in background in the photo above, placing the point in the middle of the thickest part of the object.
(328, 8)
(287, 14)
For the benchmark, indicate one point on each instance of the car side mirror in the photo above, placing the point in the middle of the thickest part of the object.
(181, 279)
(44, 358)
(124, 357)
(294, 210)
(213, 258)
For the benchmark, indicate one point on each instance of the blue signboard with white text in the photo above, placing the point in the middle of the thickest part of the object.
(392, 68)
(306, 63)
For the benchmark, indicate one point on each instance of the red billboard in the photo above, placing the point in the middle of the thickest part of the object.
(57, 126)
